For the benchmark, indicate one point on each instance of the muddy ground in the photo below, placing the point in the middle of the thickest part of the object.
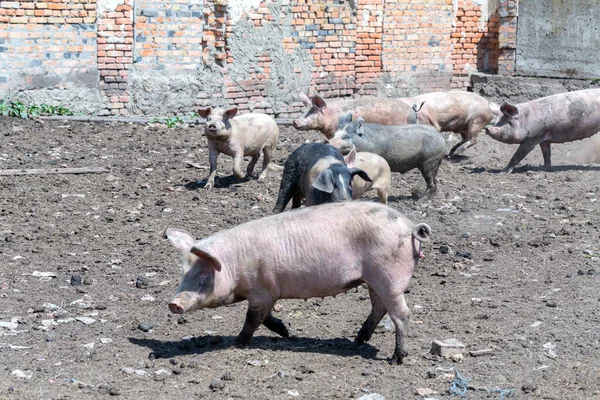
(513, 267)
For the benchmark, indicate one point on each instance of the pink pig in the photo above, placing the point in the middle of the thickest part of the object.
(324, 115)
(311, 252)
(559, 118)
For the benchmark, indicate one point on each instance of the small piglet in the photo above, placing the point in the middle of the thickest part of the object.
(244, 135)
(404, 147)
(317, 173)
(312, 252)
(560, 118)
(378, 170)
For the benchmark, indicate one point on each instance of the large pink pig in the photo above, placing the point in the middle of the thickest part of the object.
(324, 115)
(312, 252)
(554, 119)
(457, 111)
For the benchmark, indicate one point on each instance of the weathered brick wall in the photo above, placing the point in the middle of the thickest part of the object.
(119, 57)
(475, 42)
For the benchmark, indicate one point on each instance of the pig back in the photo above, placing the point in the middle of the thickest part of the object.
(315, 251)
(404, 147)
(255, 131)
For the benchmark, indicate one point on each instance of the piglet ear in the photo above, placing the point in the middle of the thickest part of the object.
(230, 113)
(509, 110)
(204, 112)
(304, 98)
(180, 239)
(207, 259)
(318, 102)
(350, 158)
(324, 181)
(494, 108)
(344, 120)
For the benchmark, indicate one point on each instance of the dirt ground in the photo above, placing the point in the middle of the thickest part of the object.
(512, 267)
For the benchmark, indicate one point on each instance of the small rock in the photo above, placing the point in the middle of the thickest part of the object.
(142, 282)
(88, 281)
(76, 280)
(227, 376)
(446, 348)
(551, 303)
(22, 374)
(529, 387)
(8, 325)
(148, 297)
(371, 396)
(174, 361)
(105, 340)
(465, 235)
(423, 392)
(482, 352)
(444, 249)
(86, 320)
(591, 272)
(146, 326)
(216, 385)
(463, 253)
(293, 392)
(128, 370)
(160, 378)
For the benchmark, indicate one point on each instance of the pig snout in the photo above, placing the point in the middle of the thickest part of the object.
(211, 127)
(176, 308)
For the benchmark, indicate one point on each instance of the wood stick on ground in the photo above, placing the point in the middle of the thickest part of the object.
(82, 170)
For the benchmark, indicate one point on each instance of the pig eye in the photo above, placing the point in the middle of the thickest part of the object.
(346, 137)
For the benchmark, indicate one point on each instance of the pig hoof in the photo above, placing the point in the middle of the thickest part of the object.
(398, 357)
(241, 343)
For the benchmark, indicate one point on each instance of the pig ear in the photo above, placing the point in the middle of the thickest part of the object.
(304, 98)
(179, 238)
(344, 120)
(350, 157)
(208, 259)
(230, 113)
(318, 102)
(324, 181)
(509, 110)
(494, 108)
(204, 112)
(361, 173)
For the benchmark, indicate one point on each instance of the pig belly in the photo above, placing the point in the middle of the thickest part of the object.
(571, 133)
(318, 281)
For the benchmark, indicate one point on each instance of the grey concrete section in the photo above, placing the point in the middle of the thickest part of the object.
(558, 38)
(158, 93)
(248, 43)
(516, 89)
(80, 100)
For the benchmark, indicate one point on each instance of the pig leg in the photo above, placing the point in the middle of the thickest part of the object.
(250, 168)
(213, 154)
(266, 161)
(429, 172)
(460, 147)
(378, 311)
(276, 325)
(237, 164)
(545, 146)
(524, 149)
(383, 195)
(285, 195)
(400, 315)
(256, 315)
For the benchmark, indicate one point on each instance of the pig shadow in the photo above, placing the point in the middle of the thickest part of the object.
(537, 168)
(206, 344)
(220, 182)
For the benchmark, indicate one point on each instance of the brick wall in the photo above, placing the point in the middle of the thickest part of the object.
(153, 57)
